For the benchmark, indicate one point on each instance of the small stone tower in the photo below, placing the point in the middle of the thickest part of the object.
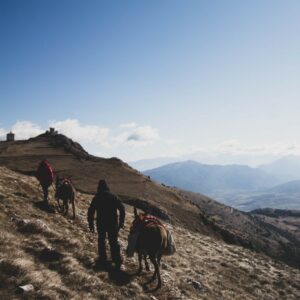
(10, 137)
(52, 131)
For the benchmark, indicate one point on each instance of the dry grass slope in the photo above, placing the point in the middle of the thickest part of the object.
(69, 159)
(203, 267)
(277, 237)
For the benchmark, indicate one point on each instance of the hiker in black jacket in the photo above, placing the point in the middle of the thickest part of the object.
(107, 204)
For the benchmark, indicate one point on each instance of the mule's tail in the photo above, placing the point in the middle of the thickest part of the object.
(73, 203)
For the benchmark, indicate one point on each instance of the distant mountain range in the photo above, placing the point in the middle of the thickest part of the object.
(151, 163)
(239, 186)
(286, 168)
(283, 196)
(207, 157)
(288, 187)
(202, 178)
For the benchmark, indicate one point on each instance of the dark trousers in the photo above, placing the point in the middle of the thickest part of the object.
(113, 243)
(45, 191)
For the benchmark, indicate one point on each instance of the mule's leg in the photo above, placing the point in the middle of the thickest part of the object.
(66, 205)
(146, 263)
(58, 204)
(159, 259)
(140, 264)
(156, 272)
(62, 206)
(73, 207)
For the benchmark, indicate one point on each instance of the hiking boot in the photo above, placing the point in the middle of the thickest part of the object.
(102, 264)
(120, 267)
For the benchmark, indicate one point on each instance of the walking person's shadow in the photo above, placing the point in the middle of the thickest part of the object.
(117, 276)
(42, 205)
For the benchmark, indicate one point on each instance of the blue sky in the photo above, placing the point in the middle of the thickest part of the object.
(142, 79)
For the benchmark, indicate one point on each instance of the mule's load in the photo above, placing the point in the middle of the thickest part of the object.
(171, 247)
(150, 237)
(65, 191)
(145, 220)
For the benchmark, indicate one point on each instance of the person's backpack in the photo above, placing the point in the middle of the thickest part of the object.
(44, 173)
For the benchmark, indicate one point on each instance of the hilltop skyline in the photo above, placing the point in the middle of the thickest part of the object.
(150, 79)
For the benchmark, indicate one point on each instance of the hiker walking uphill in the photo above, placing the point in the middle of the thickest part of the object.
(45, 176)
(107, 204)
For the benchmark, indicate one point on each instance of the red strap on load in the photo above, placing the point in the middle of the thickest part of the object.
(150, 220)
(146, 220)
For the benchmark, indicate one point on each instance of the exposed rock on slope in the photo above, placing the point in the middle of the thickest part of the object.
(56, 255)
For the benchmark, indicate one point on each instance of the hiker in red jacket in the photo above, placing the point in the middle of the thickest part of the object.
(45, 176)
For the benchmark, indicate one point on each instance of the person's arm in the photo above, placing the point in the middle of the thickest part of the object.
(91, 214)
(121, 209)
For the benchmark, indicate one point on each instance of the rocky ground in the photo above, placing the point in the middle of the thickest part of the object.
(57, 256)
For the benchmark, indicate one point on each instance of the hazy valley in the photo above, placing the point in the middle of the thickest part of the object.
(239, 186)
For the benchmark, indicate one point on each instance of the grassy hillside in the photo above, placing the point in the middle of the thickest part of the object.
(191, 211)
(202, 268)
(251, 230)
(69, 159)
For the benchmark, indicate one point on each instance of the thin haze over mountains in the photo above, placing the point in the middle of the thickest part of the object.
(276, 185)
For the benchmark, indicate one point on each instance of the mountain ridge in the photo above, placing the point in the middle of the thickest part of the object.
(195, 212)
(203, 178)
(286, 168)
